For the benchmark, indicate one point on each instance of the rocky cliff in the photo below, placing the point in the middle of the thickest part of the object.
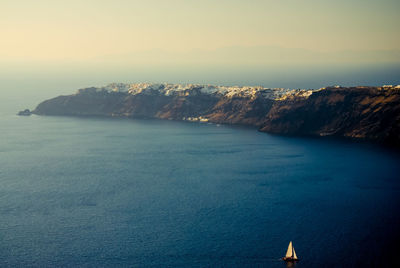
(234, 105)
(370, 113)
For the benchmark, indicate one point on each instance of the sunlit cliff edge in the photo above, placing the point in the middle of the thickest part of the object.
(364, 113)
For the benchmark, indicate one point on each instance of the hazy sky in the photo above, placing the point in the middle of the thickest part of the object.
(156, 33)
(87, 29)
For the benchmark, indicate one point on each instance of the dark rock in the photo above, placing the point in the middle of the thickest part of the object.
(25, 112)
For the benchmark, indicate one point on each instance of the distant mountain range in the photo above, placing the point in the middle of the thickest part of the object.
(368, 113)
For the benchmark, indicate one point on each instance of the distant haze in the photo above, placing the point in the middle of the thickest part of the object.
(288, 43)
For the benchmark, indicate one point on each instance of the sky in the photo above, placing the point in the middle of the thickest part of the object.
(158, 39)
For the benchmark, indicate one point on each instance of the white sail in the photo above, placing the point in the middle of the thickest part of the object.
(289, 251)
(294, 254)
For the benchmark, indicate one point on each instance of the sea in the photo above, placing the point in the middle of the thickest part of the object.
(102, 192)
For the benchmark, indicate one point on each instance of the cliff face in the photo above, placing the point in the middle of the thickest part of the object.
(363, 112)
(369, 113)
(86, 103)
(245, 111)
(247, 106)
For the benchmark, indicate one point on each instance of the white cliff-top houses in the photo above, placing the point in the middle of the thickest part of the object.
(193, 89)
(168, 89)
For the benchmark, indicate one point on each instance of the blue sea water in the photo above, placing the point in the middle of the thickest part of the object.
(98, 192)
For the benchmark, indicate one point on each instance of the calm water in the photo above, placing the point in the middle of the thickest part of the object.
(99, 193)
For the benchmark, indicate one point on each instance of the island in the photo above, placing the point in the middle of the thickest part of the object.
(361, 112)
(25, 112)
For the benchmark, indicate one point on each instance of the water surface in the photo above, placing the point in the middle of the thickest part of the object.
(99, 192)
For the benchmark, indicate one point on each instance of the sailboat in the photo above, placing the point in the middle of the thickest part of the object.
(290, 254)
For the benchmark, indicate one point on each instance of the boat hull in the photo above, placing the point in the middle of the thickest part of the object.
(290, 259)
